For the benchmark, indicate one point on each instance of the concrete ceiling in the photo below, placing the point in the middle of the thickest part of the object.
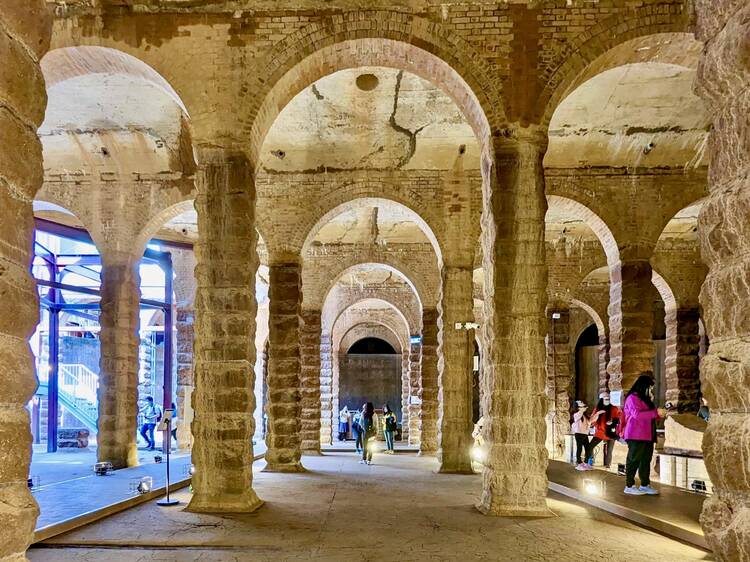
(611, 119)
(562, 224)
(370, 275)
(369, 117)
(381, 225)
(111, 123)
(684, 225)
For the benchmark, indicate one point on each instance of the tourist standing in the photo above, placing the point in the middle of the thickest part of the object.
(389, 428)
(367, 425)
(605, 419)
(639, 431)
(580, 428)
(343, 423)
(151, 416)
(356, 429)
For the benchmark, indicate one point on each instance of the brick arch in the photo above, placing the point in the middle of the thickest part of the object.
(334, 307)
(329, 317)
(393, 320)
(316, 297)
(671, 375)
(363, 194)
(588, 53)
(67, 63)
(593, 314)
(370, 330)
(158, 220)
(80, 211)
(377, 38)
(169, 211)
(593, 220)
(337, 312)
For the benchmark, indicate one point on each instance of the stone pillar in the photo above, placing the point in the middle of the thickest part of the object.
(455, 351)
(326, 389)
(415, 383)
(428, 390)
(118, 362)
(224, 351)
(25, 38)
(310, 381)
(185, 385)
(559, 381)
(603, 361)
(683, 345)
(405, 390)
(724, 230)
(513, 379)
(631, 318)
(284, 396)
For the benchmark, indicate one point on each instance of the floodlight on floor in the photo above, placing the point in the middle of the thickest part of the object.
(103, 468)
(33, 482)
(593, 487)
(141, 485)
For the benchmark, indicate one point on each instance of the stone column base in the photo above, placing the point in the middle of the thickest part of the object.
(246, 502)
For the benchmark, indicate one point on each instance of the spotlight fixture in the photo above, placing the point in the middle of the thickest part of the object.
(648, 148)
(478, 454)
(103, 468)
(141, 485)
(157, 459)
(593, 487)
(32, 482)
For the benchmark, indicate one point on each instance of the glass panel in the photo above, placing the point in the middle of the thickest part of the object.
(78, 376)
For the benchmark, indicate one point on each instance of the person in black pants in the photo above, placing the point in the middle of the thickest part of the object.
(367, 424)
(580, 428)
(357, 429)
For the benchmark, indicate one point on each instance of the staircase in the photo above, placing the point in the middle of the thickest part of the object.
(77, 391)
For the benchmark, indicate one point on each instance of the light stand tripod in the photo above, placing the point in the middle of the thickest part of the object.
(166, 427)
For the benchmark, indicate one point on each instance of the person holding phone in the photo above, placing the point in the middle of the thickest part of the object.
(639, 431)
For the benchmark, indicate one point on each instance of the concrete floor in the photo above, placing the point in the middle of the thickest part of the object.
(397, 509)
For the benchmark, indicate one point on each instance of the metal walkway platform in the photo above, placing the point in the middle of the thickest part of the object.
(674, 512)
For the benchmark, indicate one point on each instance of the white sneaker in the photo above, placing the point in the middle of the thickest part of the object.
(581, 467)
(369, 462)
(633, 491)
(362, 462)
(648, 490)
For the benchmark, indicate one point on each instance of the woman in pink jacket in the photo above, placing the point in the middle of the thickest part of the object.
(639, 430)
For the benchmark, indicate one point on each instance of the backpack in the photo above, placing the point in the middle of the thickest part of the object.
(369, 426)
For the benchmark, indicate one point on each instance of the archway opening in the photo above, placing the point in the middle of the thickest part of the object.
(371, 346)
(587, 365)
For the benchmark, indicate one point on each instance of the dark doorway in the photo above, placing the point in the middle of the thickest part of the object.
(370, 372)
(587, 365)
(371, 346)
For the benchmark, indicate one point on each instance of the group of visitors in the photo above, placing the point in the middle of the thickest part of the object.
(635, 425)
(364, 424)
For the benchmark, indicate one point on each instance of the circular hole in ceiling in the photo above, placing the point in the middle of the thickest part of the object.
(367, 82)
